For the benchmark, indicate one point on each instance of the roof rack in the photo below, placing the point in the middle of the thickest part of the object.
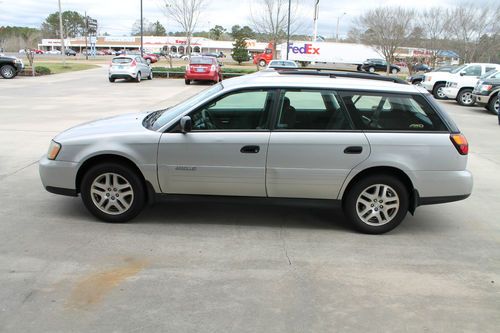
(338, 73)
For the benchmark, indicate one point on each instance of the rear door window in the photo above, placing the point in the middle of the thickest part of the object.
(393, 112)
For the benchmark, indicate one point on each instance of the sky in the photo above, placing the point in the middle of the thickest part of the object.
(116, 17)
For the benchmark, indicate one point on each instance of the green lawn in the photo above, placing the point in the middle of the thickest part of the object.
(56, 68)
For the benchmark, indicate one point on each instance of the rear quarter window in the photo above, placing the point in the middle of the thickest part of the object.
(392, 112)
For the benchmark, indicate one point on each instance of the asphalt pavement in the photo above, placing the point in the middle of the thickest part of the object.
(229, 266)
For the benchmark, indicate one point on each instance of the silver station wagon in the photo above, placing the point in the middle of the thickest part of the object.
(374, 145)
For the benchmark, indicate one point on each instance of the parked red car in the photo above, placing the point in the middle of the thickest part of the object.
(203, 69)
(150, 58)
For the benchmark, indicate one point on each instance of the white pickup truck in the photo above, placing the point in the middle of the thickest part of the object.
(435, 82)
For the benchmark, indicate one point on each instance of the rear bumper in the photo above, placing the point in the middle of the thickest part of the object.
(445, 184)
(210, 76)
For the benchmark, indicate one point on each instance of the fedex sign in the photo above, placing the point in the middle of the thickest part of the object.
(306, 49)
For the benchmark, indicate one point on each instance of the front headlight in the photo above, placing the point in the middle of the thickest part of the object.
(54, 149)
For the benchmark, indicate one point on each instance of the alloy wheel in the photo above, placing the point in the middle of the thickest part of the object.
(377, 205)
(112, 193)
(467, 98)
(8, 72)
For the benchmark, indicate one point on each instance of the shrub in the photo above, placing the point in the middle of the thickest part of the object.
(42, 70)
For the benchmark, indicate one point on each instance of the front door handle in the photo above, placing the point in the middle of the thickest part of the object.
(353, 150)
(250, 149)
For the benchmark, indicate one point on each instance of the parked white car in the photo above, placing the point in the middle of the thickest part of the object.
(434, 82)
(129, 67)
(53, 52)
(460, 87)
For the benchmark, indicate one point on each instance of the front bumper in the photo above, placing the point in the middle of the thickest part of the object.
(58, 176)
(428, 85)
(481, 100)
(450, 92)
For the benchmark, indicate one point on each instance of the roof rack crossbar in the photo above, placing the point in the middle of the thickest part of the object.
(336, 73)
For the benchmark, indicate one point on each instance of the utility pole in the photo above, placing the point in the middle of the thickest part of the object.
(63, 51)
(142, 34)
(337, 31)
(288, 30)
(316, 14)
(86, 36)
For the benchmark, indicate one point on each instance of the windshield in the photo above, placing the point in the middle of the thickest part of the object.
(458, 69)
(180, 108)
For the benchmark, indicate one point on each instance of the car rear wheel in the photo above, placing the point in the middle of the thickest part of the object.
(438, 92)
(138, 77)
(186, 81)
(7, 71)
(371, 69)
(465, 97)
(494, 105)
(112, 192)
(377, 204)
(394, 71)
(262, 63)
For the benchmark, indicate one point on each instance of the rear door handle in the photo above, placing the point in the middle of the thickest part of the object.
(250, 149)
(353, 150)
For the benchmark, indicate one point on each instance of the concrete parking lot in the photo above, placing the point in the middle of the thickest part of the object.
(217, 266)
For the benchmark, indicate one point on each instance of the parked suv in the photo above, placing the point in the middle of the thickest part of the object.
(434, 82)
(10, 66)
(376, 146)
(486, 92)
(373, 65)
(460, 87)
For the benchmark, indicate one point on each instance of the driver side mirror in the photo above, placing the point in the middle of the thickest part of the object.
(462, 73)
(186, 124)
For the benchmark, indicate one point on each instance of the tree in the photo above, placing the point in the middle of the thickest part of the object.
(16, 38)
(157, 29)
(354, 35)
(468, 23)
(136, 27)
(434, 23)
(387, 29)
(240, 35)
(271, 19)
(73, 25)
(186, 14)
(217, 32)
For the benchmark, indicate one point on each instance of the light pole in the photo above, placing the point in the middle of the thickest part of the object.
(288, 30)
(337, 32)
(63, 51)
(142, 34)
(316, 14)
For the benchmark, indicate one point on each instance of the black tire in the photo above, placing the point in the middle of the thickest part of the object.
(150, 76)
(358, 68)
(111, 79)
(136, 183)
(465, 97)
(262, 63)
(437, 91)
(186, 81)
(138, 77)
(350, 203)
(493, 104)
(416, 82)
(371, 69)
(394, 71)
(8, 72)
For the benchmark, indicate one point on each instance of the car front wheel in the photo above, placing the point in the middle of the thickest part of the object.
(438, 92)
(7, 71)
(494, 105)
(262, 63)
(377, 204)
(394, 71)
(112, 192)
(466, 98)
(371, 69)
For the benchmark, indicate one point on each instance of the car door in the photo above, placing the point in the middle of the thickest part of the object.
(225, 153)
(313, 146)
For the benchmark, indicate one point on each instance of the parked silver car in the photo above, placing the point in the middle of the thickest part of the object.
(129, 67)
(374, 145)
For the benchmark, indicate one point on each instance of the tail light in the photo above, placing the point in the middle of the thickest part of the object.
(134, 63)
(460, 142)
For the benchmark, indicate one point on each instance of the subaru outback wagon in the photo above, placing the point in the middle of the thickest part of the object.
(375, 145)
